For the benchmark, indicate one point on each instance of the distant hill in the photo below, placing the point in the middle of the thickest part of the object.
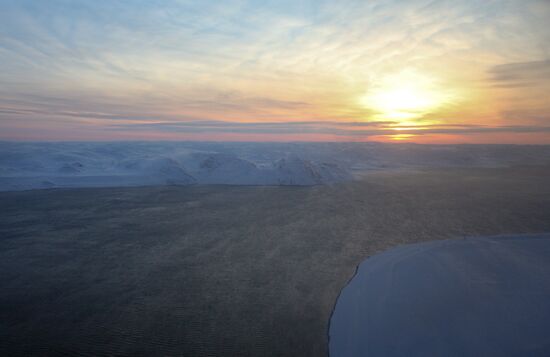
(72, 164)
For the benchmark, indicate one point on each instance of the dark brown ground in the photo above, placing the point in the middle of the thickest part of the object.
(221, 270)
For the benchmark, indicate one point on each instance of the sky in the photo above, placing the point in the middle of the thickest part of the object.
(418, 71)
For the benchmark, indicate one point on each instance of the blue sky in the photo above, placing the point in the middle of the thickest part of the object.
(83, 70)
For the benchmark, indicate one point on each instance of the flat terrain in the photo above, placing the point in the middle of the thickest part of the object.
(222, 270)
(483, 296)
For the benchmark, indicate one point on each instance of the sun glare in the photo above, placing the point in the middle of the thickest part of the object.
(404, 97)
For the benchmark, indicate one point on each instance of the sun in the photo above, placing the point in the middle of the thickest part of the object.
(404, 101)
(404, 97)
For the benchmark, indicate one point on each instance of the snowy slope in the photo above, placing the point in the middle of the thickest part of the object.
(47, 165)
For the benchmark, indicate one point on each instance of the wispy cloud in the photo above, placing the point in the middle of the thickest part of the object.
(350, 129)
(524, 74)
(265, 62)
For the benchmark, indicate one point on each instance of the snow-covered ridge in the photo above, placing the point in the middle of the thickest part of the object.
(85, 164)
(47, 165)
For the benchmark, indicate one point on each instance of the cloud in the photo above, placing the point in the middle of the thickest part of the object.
(523, 74)
(531, 115)
(264, 61)
(107, 108)
(349, 129)
(214, 126)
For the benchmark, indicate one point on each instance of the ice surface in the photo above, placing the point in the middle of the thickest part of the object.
(89, 164)
(483, 296)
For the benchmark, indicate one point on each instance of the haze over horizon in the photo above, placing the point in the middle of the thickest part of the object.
(418, 71)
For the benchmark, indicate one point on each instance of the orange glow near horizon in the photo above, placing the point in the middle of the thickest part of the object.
(283, 71)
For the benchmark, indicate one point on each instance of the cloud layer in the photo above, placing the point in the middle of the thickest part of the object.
(267, 67)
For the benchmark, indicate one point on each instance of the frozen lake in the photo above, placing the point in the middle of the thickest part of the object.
(487, 296)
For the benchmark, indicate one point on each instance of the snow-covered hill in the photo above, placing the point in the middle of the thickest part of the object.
(48, 165)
